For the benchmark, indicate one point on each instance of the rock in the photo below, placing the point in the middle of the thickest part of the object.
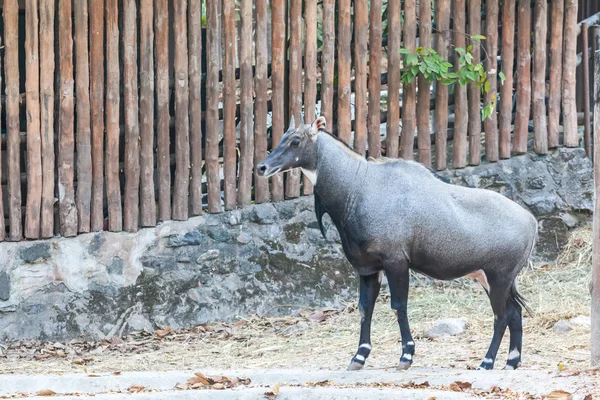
(235, 218)
(219, 234)
(447, 326)
(193, 238)
(581, 320)
(4, 286)
(209, 255)
(244, 238)
(264, 214)
(116, 266)
(562, 326)
(37, 252)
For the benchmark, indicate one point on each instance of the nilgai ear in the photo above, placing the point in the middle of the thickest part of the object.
(318, 125)
(292, 123)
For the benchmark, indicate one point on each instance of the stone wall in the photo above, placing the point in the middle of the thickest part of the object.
(265, 259)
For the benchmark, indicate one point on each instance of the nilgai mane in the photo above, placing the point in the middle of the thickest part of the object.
(393, 216)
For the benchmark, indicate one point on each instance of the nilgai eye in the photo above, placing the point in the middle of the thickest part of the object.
(295, 142)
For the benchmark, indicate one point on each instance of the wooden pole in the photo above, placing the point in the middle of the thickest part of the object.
(424, 95)
(261, 185)
(84, 133)
(473, 91)
(506, 91)
(34, 147)
(2, 223)
(490, 125)
(523, 78)
(46, 120)
(147, 201)
(292, 184)
(409, 94)
(278, 28)
(374, 106)
(195, 82)
(246, 107)
(161, 43)
(569, 71)
(344, 61)
(310, 73)
(540, 29)
(361, 26)
(182, 121)
(327, 60)
(556, 58)
(229, 121)
(595, 287)
(132, 128)
(441, 98)
(393, 100)
(461, 111)
(97, 110)
(586, 93)
(113, 79)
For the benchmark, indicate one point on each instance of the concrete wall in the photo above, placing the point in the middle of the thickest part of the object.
(265, 259)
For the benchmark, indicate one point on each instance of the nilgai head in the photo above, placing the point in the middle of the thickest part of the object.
(297, 149)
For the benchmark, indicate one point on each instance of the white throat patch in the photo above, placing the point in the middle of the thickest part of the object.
(311, 175)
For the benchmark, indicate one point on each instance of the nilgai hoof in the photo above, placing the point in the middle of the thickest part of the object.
(354, 366)
(403, 366)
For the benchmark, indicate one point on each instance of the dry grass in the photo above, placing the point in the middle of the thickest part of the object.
(554, 292)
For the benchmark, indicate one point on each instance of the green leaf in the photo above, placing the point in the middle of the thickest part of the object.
(478, 38)
(404, 51)
(486, 87)
(460, 50)
(419, 49)
(469, 48)
(412, 59)
(414, 70)
(502, 77)
(469, 58)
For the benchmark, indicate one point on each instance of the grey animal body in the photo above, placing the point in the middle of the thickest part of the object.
(396, 215)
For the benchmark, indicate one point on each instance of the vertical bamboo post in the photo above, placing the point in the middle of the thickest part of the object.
(229, 120)
(586, 92)
(474, 92)
(538, 86)
(523, 78)
(441, 98)
(132, 128)
(246, 107)
(409, 105)
(113, 79)
(213, 33)
(374, 106)
(161, 43)
(595, 287)
(361, 26)
(569, 79)
(195, 82)
(292, 184)
(490, 125)
(393, 100)
(84, 133)
(424, 94)
(327, 60)
(147, 202)
(97, 110)
(459, 155)
(278, 28)
(344, 61)
(310, 73)
(46, 119)
(261, 185)
(34, 147)
(556, 58)
(506, 91)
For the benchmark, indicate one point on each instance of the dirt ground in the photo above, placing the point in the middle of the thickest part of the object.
(327, 338)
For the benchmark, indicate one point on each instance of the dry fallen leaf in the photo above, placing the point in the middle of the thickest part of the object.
(136, 388)
(559, 395)
(117, 373)
(459, 386)
(271, 394)
(161, 333)
(218, 386)
(431, 398)
(45, 392)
